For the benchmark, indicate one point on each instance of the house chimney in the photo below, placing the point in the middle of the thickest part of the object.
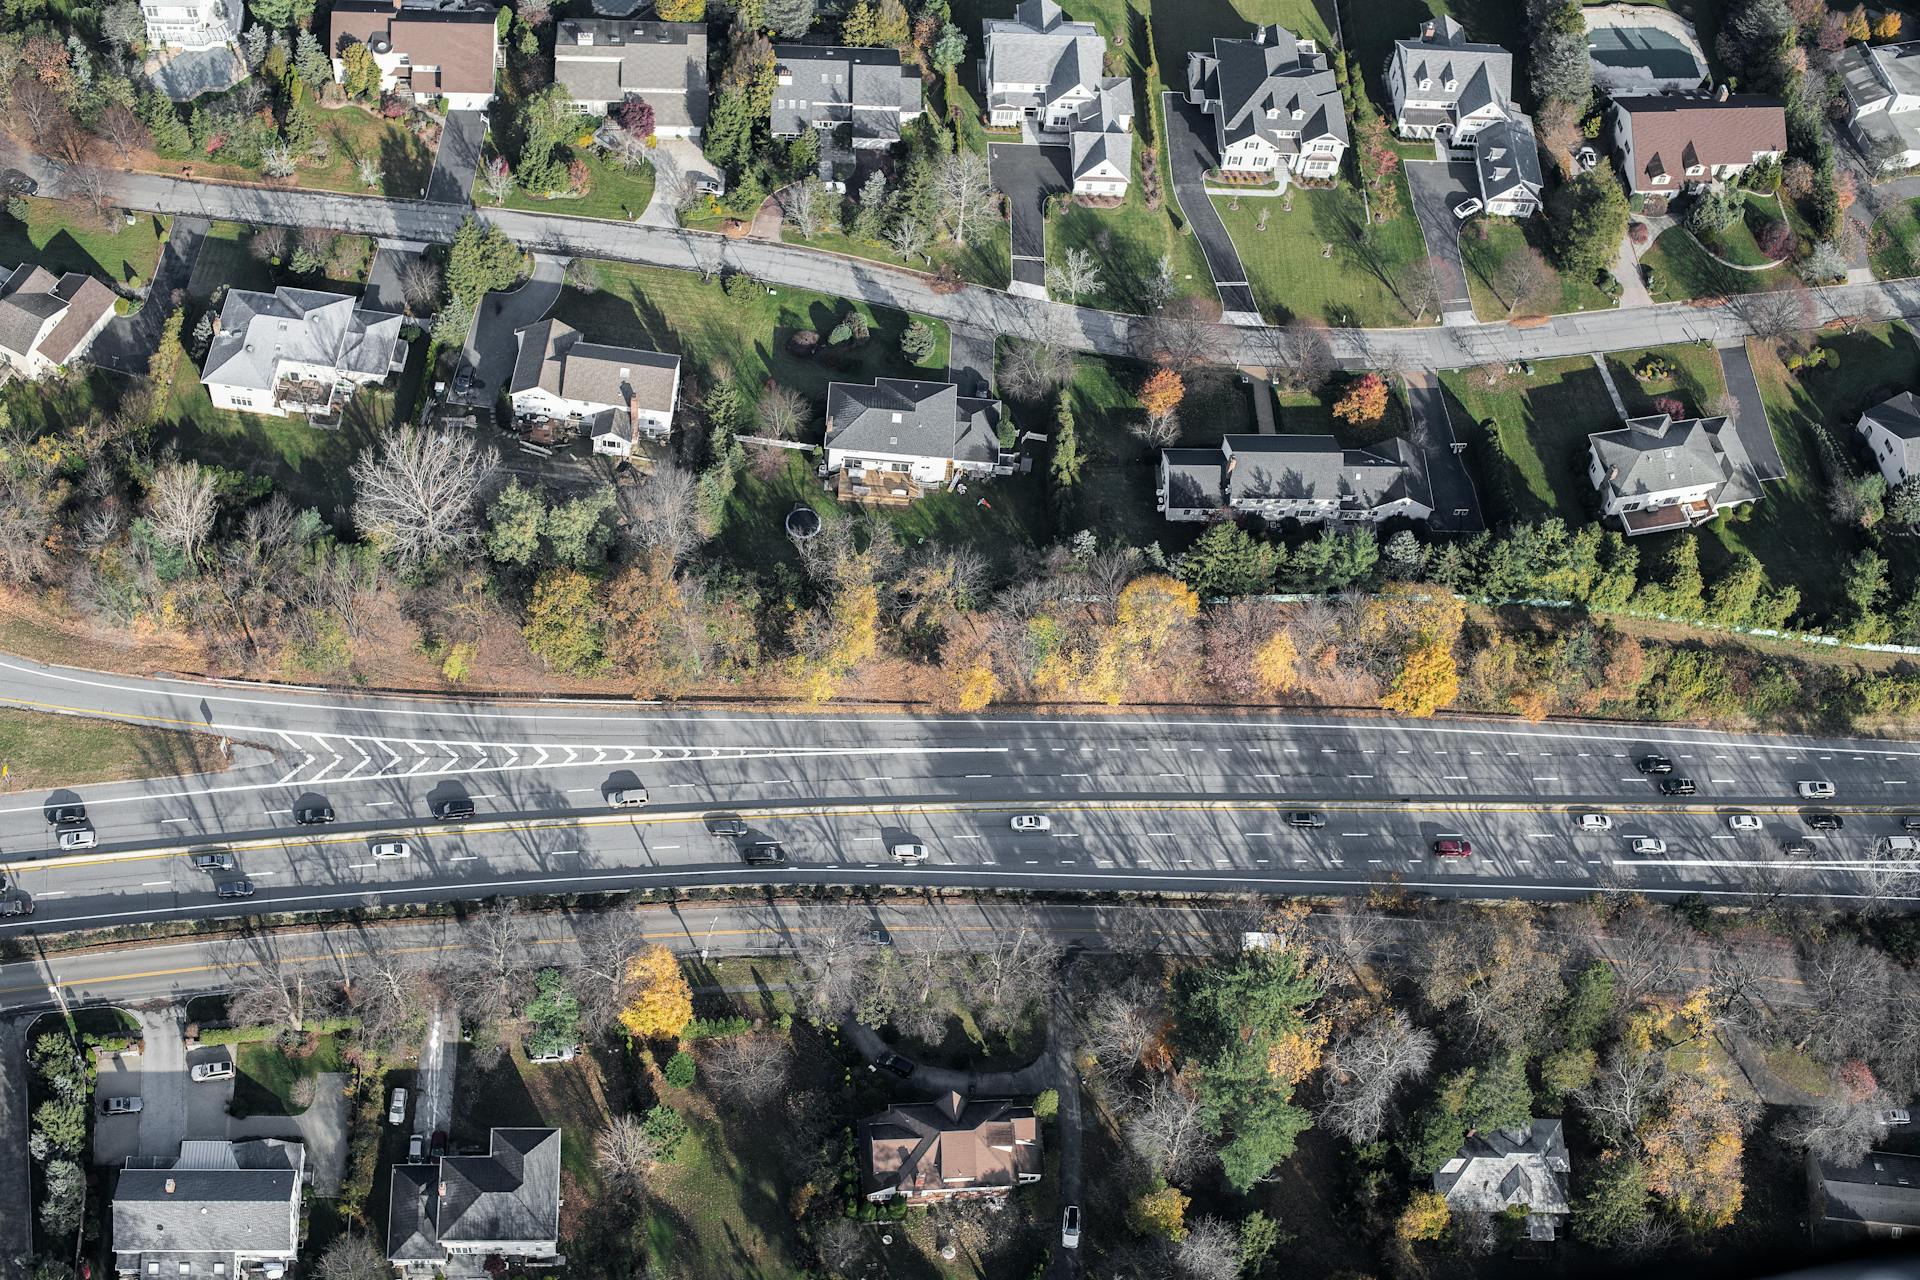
(1259, 35)
(1426, 30)
(1720, 94)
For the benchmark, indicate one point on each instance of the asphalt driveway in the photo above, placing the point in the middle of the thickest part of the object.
(458, 158)
(491, 348)
(1190, 153)
(1436, 189)
(127, 344)
(1027, 175)
(1750, 412)
(1456, 507)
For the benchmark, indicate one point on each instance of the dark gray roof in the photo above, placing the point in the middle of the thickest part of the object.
(215, 1197)
(1899, 415)
(1657, 454)
(1269, 84)
(1884, 1189)
(511, 1194)
(868, 88)
(1480, 73)
(1193, 479)
(259, 330)
(1039, 47)
(554, 357)
(1291, 468)
(662, 62)
(1508, 159)
(409, 1214)
(913, 418)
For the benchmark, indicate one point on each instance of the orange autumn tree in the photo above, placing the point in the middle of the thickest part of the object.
(1427, 682)
(657, 1001)
(1365, 402)
(1162, 393)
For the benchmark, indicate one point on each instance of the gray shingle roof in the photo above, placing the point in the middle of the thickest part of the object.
(1883, 1189)
(555, 358)
(1480, 73)
(1261, 83)
(911, 417)
(260, 330)
(1502, 1168)
(663, 62)
(823, 83)
(1657, 454)
(1508, 159)
(1291, 468)
(511, 1194)
(214, 1198)
(1038, 46)
(1900, 417)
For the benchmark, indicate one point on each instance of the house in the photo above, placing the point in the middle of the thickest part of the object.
(1523, 1169)
(1891, 430)
(867, 90)
(217, 1209)
(892, 440)
(1667, 145)
(1506, 158)
(1447, 88)
(601, 62)
(451, 1215)
(298, 351)
(1276, 107)
(950, 1149)
(426, 49)
(1656, 474)
(617, 395)
(192, 25)
(1882, 87)
(1305, 478)
(1042, 68)
(46, 323)
(1877, 1199)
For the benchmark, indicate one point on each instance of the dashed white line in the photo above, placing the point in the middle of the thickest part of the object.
(150, 884)
(176, 819)
(359, 866)
(465, 857)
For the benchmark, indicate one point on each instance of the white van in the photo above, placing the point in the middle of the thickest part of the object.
(1899, 844)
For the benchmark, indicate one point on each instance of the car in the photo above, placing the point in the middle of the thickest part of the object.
(628, 798)
(457, 809)
(708, 185)
(896, 1064)
(1593, 822)
(221, 1070)
(1824, 821)
(1910, 822)
(1032, 822)
(1648, 845)
(764, 853)
(397, 1107)
(1586, 158)
(1653, 762)
(313, 815)
(1306, 819)
(1070, 1227)
(437, 1146)
(16, 183)
(1815, 789)
(1677, 787)
(909, 852)
(1796, 848)
(1895, 1116)
(1453, 847)
(727, 826)
(416, 1148)
(1744, 822)
(120, 1106)
(1468, 207)
(389, 850)
(18, 904)
(62, 815)
(235, 889)
(214, 861)
(78, 837)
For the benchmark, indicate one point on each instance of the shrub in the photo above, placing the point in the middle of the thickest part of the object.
(1653, 368)
(917, 343)
(667, 1128)
(740, 286)
(680, 1070)
(842, 332)
(712, 1028)
(1047, 1105)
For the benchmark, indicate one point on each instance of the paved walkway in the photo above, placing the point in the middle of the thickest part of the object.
(1606, 380)
(1626, 270)
(1750, 410)
(1262, 399)
(127, 344)
(439, 1057)
(1189, 155)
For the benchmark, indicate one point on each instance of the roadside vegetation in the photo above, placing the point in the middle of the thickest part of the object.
(41, 751)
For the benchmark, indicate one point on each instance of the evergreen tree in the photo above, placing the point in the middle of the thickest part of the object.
(1066, 445)
(171, 137)
(789, 19)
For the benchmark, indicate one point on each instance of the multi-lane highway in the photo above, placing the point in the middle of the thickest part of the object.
(1168, 802)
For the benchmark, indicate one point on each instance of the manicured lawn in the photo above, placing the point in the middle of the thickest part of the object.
(404, 160)
(1697, 382)
(1320, 260)
(1300, 413)
(226, 258)
(1739, 242)
(1541, 422)
(985, 259)
(63, 237)
(613, 191)
(1893, 248)
(42, 751)
(265, 1074)
(1127, 244)
(1482, 256)
(1683, 271)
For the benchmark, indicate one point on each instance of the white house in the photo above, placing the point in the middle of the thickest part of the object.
(1522, 1170)
(1276, 106)
(1306, 478)
(1460, 93)
(892, 440)
(192, 24)
(1506, 160)
(425, 49)
(1655, 474)
(228, 1209)
(1039, 67)
(298, 351)
(1891, 430)
(1882, 85)
(47, 323)
(868, 92)
(617, 395)
(1666, 145)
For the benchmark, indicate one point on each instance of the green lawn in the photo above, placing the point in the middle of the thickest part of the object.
(353, 132)
(42, 751)
(1321, 261)
(1542, 422)
(1683, 271)
(613, 191)
(1302, 413)
(1893, 247)
(63, 237)
(984, 259)
(265, 1074)
(1739, 243)
(1481, 255)
(226, 258)
(1127, 244)
(1697, 382)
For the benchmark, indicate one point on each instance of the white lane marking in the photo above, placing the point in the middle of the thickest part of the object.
(381, 804)
(979, 775)
(664, 847)
(1066, 835)
(176, 819)
(359, 866)
(562, 853)
(1552, 777)
(671, 786)
(465, 857)
(576, 791)
(1539, 835)
(1172, 775)
(1454, 777)
(51, 893)
(1723, 781)
(1361, 777)
(485, 795)
(155, 884)
(1160, 835)
(967, 837)
(1356, 833)
(883, 778)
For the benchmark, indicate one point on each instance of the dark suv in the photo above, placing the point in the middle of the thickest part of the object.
(764, 853)
(458, 809)
(1306, 819)
(314, 815)
(1825, 821)
(1677, 786)
(1655, 764)
(235, 889)
(67, 814)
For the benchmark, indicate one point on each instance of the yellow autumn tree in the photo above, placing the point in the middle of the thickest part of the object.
(1296, 1055)
(1154, 606)
(1160, 1212)
(975, 687)
(657, 1001)
(1693, 1150)
(1161, 393)
(1888, 27)
(1276, 663)
(1426, 1217)
(1427, 682)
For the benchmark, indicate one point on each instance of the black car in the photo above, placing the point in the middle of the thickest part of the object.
(458, 809)
(16, 905)
(61, 815)
(16, 183)
(1824, 821)
(764, 853)
(1796, 848)
(1677, 786)
(1306, 819)
(1655, 764)
(235, 889)
(314, 815)
(898, 1065)
(726, 826)
(1910, 822)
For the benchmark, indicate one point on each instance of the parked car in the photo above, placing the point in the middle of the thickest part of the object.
(1797, 848)
(1468, 207)
(1815, 789)
(764, 853)
(80, 836)
(1593, 822)
(313, 815)
(1677, 787)
(628, 798)
(438, 1146)
(61, 815)
(1070, 1227)
(221, 1070)
(1648, 845)
(16, 904)
(218, 860)
(1744, 822)
(1893, 1117)
(397, 1107)
(1825, 821)
(898, 1065)
(1032, 822)
(230, 889)
(416, 1148)
(1655, 763)
(457, 809)
(1306, 819)
(390, 850)
(120, 1106)
(909, 852)
(1452, 847)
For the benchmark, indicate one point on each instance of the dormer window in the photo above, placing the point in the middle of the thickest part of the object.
(1426, 83)
(1452, 86)
(1273, 113)
(1299, 113)
(1660, 180)
(1695, 170)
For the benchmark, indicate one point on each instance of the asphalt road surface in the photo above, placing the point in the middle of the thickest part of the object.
(1170, 802)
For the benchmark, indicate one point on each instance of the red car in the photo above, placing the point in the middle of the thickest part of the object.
(1453, 847)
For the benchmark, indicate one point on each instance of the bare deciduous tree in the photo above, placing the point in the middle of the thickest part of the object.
(1300, 356)
(1645, 946)
(390, 993)
(1168, 1128)
(1156, 432)
(828, 941)
(1210, 1251)
(352, 1257)
(1419, 287)
(270, 988)
(1364, 1069)
(1124, 1022)
(608, 944)
(415, 494)
(27, 519)
(1184, 335)
(420, 285)
(966, 193)
(490, 972)
(784, 413)
(1847, 986)
(625, 1154)
(181, 504)
(803, 206)
(121, 130)
(1523, 279)
(1776, 313)
(665, 514)
(1015, 969)
(909, 238)
(751, 1069)
(840, 1244)
(1616, 1102)
(1034, 370)
(1075, 275)
(1839, 1128)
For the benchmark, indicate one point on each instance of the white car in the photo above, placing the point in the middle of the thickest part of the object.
(1467, 208)
(78, 838)
(1895, 1116)
(1070, 1227)
(1032, 822)
(1593, 822)
(909, 852)
(1815, 789)
(397, 1107)
(1647, 844)
(1744, 822)
(628, 798)
(387, 850)
(222, 1070)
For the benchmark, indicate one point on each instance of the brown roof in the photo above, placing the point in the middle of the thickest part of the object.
(1671, 135)
(32, 295)
(459, 43)
(953, 1145)
(87, 301)
(554, 357)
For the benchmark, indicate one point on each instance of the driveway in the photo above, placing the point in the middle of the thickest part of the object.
(458, 158)
(322, 1127)
(390, 258)
(127, 344)
(1190, 153)
(1027, 176)
(676, 163)
(1750, 412)
(1436, 188)
(433, 1083)
(1456, 507)
(970, 360)
(490, 350)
